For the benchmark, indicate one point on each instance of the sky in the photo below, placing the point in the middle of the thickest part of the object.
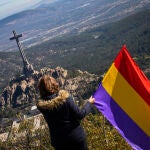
(10, 7)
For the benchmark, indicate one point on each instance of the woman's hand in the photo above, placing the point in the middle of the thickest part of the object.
(91, 100)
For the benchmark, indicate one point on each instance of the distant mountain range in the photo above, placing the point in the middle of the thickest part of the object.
(64, 17)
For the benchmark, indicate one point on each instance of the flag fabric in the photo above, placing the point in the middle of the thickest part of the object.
(123, 97)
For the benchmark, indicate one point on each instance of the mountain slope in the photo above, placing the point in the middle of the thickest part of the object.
(93, 50)
(64, 17)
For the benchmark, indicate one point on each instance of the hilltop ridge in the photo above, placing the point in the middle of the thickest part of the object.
(22, 91)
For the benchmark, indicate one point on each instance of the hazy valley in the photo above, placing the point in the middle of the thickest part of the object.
(93, 50)
(64, 17)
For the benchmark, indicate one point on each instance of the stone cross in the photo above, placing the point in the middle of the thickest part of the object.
(28, 68)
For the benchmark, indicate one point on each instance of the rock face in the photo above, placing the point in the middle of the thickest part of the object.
(23, 91)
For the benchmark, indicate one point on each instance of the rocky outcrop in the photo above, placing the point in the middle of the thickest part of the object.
(23, 91)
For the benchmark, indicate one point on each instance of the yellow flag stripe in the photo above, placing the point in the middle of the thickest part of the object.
(127, 98)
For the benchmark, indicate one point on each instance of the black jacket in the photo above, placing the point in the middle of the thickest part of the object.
(63, 118)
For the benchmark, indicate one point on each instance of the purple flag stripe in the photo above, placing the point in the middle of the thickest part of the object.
(120, 120)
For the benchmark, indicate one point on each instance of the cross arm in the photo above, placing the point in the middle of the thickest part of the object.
(16, 37)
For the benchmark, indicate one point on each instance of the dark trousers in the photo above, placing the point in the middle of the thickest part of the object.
(75, 140)
(72, 146)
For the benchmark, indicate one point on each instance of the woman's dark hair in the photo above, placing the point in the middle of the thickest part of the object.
(47, 86)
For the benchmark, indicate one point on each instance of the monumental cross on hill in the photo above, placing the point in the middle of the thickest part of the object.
(27, 68)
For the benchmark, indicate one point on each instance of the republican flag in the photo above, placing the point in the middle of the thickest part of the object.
(123, 97)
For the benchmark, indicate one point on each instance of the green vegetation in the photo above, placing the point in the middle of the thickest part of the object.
(100, 136)
(7, 113)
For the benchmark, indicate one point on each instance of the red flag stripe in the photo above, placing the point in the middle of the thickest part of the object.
(135, 77)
